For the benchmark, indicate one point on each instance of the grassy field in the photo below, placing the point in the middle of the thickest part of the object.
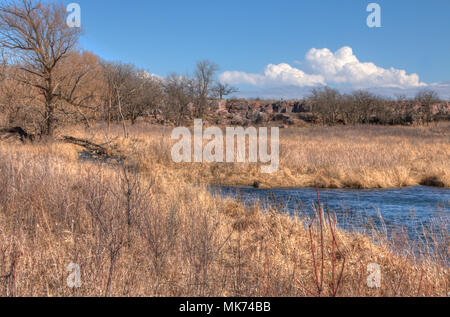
(363, 157)
(149, 228)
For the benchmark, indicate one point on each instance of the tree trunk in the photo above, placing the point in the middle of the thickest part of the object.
(49, 106)
(49, 121)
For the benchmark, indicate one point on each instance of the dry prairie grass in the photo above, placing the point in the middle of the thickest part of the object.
(156, 234)
(362, 157)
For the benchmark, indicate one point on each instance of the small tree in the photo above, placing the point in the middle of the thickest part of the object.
(404, 110)
(121, 91)
(361, 106)
(426, 100)
(148, 97)
(203, 79)
(179, 91)
(221, 90)
(129, 92)
(326, 103)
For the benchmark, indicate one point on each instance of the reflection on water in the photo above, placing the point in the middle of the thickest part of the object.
(411, 210)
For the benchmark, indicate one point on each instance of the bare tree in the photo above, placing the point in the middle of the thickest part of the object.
(221, 90)
(179, 91)
(326, 103)
(80, 90)
(360, 107)
(37, 34)
(426, 100)
(148, 97)
(121, 90)
(129, 92)
(404, 112)
(204, 77)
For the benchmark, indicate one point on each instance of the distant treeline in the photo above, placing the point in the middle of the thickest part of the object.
(362, 107)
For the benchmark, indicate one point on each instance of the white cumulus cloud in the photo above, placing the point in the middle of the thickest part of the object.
(343, 67)
(326, 67)
(274, 75)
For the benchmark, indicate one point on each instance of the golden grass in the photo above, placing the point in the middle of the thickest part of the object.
(363, 157)
(156, 234)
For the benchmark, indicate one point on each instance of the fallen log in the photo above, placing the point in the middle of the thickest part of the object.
(88, 145)
(94, 151)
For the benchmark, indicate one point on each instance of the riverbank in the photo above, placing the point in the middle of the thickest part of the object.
(145, 230)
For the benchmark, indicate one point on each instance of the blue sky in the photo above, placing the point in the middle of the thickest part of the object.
(262, 46)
